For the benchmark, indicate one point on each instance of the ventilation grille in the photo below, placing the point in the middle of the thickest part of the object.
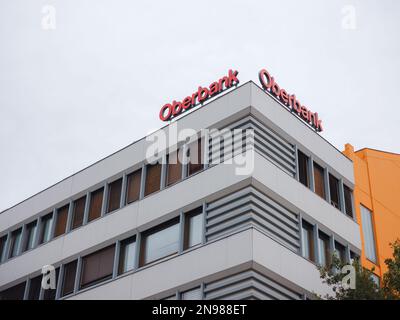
(250, 207)
(248, 285)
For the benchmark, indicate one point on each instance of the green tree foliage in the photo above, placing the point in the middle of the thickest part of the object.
(365, 287)
(391, 279)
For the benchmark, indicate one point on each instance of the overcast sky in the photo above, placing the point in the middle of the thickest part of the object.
(72, 95)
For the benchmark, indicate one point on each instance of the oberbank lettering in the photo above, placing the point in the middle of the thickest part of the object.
(268, 83)
(175, 108)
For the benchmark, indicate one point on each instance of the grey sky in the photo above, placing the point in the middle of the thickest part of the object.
(73, 95)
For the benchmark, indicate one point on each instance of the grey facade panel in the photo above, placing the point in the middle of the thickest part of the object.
(267, 142)
(250, 207)
(248, 285)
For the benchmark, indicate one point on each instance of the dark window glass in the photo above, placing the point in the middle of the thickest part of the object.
(69, 278)
(45, 228)
(354, 256)
(96, 203)
(133, 186)
(14, 293)
(334, 191)
(127, 255)
(174, 168)
(15, 242)
(153, 178)
(114, 195)
(34, 288)
(160, 242)
(61, 222)
(319, 180)
(324, 252)
(193, 228)
(3, 241)
(308, 241)
(50, 294)
(348, 201)
(303, 168)
(195, 157)
(97, 266)
(30, 233)
(340, 251)
(79, 212)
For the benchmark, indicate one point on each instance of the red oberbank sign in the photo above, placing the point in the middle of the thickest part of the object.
(174, 109)
(269, 84)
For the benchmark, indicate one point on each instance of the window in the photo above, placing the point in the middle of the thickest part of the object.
(334, 191)
(133, 186)
(368, 233)
(96, 204)
(193, 294)
(69, 278)
(303, 168)
(174, 168)
(127, 255)
(14, 293)
(46, 224)
(78, 212)
(160, 242)
(340, 252)
(97, 267)
(153, 178)
(193, 228)
(354, 257)
(308, 241)
(50, 294)
(3, 242)
(195, 160)
(15, 242)
(324, 252)
(376, 279)
(34, 288)
(348, 201)
(114, 195)
(319, 180)
(30, 233)
(61, 222)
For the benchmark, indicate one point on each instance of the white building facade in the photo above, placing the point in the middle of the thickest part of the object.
(126, 229)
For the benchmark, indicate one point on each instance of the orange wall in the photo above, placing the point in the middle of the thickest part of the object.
(377, 187)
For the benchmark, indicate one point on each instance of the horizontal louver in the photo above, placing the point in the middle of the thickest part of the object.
(249, 285)
(250, 207)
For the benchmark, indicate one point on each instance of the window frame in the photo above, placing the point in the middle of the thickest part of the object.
(49, 217)
(97, 254)
(301, 154)
(95, 195)
(322, 170)
(196, 212)
(74, 211)
(64, 210)
(122, 254)
(110, 188)
(309, 228)
(154, 230)
(129, 177)
(27, 233)
(14, 250)
(332, 182)
(147, 192)
(372, 245)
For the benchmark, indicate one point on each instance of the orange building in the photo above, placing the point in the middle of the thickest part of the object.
(377, 203)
